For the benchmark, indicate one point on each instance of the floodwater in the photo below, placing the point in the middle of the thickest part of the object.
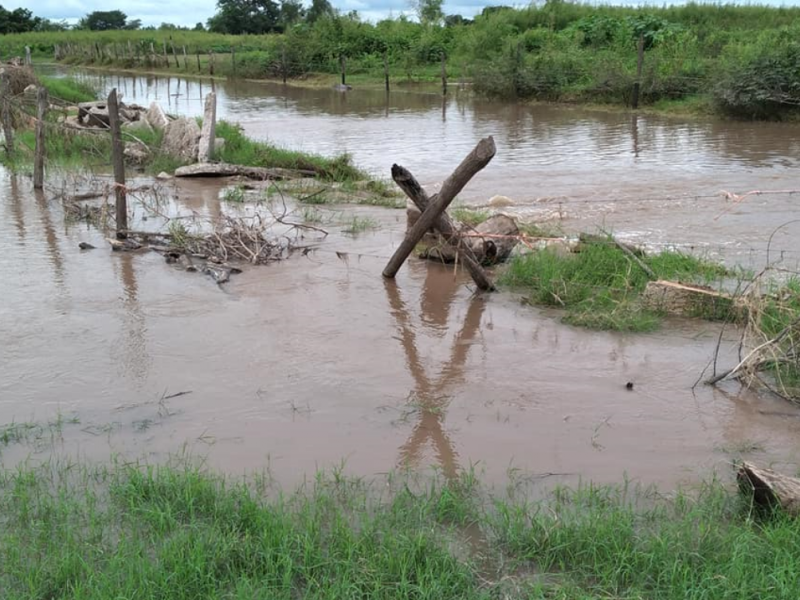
(317, 362)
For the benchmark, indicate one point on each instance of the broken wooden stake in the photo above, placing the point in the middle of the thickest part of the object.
(434, 215)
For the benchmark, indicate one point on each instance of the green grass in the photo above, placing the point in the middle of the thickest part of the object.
(241, 150)
(234, 194)
(71, 530)
(357, 225)
(599, 286)
(470, 216)
(69, 89)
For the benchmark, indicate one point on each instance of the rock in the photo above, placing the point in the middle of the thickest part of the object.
(138, 126)
(30, 90)
(500, 201)
(136, 154)
(126, 245)
(156, 116)
(86, 246)
(93, 114)
(182, 139)
(163, 175)
(339, 87)
(209, 132)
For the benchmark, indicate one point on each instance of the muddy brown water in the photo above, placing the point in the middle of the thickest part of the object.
(316, 361)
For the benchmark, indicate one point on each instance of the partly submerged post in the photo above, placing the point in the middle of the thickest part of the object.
(343, 63)
(444, 74)
(283, 64)
(433, 211)
(118, 160)
(639, 64)
(8, 126)
(386, 68)
(38, 157)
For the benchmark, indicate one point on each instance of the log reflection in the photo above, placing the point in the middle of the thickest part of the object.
(431, 397)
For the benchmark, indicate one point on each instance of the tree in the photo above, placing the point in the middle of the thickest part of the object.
(245, 16)
(133, 24)
(319, 9)
(100, 20)
(199, 27)
(429, 11)
(19, 20)
(453, 20)
(292, 12)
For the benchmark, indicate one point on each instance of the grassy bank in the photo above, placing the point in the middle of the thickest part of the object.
(599, 285)
(99, 532)
(736, 60)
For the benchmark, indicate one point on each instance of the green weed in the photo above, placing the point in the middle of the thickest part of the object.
(358, 225)
(234, 194)
(470, 216)
(69, 89)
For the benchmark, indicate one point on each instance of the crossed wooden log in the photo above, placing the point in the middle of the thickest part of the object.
(434, 216)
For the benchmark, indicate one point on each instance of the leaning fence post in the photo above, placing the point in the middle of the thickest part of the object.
(118, 160)
(28, 56)
(38, 157)
(639, 65)
(185, 59)
(8, 126)
(210, 62)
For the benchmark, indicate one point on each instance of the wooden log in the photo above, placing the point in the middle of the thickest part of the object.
(118, 161)
(408, 183)
(678, 299)
(38, 157)
(491, 242)
(472, 164)
(228, 170)
(769, 488)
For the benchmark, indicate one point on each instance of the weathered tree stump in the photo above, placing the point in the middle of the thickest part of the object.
(769, 488)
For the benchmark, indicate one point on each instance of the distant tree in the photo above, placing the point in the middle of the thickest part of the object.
(292, 12)
(453, 20)
(48, 25)
(100, 20)
(19, 20)
(245, 16)
(488, 10)
(168, 27)
(133, 24)
(318, 10)
(429, 11)
(199, 27)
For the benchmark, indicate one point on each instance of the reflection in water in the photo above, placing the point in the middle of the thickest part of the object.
(51, 238)
(135, 360)
(16, 207)
(431, 397)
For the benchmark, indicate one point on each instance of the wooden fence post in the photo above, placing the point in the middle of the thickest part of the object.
(444, 75)
(283, 64)
(38, 157)
(175, 56)
(118, 160)
(8, 126)
(28, 60)
(343, 65)
(233, 60)
(639, 64)
(199, 68)
(386, 68)
(433, 212)
(185, 59)
(210, 62)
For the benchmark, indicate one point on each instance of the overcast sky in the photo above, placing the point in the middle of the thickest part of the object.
(189, 12)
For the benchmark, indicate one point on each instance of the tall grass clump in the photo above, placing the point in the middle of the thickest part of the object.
(599, 285)
(241, 150)
(69, 89)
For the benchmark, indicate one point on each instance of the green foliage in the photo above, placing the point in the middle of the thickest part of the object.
(600, 285)
(178, 532)
(69, 89)
(762, 80)
(105, 21)
(245, 16)
(19, 20)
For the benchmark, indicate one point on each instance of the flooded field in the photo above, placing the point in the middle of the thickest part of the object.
(317, 361)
